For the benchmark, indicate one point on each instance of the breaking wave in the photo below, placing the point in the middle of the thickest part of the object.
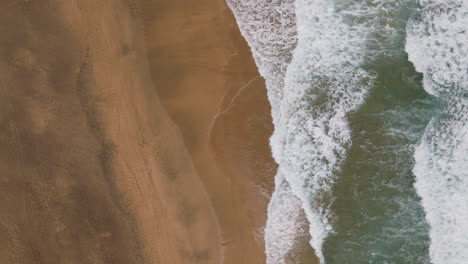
(437, 44)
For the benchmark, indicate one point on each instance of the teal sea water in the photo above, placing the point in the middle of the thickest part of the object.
(379, 218)
(369, 102)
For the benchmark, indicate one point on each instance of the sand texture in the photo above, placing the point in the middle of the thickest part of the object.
(131, 132)
(208, 82)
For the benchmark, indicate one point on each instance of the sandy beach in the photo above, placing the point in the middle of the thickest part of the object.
(208, 82)
(138, 132)
(132, 132)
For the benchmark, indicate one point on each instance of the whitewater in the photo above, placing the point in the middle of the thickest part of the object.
(324, 63)
(438, 46)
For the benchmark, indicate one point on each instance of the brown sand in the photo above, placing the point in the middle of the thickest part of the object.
(92, 170)
(210, 86)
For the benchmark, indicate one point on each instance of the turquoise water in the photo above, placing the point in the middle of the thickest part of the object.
(369, 102)
(378, 215)
(379, 218)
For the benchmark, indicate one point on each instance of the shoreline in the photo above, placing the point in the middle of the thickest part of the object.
(207, 79)
(134, 132)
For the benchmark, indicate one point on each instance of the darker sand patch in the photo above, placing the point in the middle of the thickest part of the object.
(188, 213)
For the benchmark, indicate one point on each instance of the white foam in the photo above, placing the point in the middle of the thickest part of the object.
(287, 227)
(311, 54)
(324, 82)
(269, 26)
(437, 44)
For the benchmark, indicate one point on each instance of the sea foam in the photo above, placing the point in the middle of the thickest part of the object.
(312, 54)
(323, 84)
(286, 232)
(269, 26)
(437, 44)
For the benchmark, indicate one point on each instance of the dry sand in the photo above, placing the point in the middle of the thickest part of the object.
(92, 167)
(92, 170)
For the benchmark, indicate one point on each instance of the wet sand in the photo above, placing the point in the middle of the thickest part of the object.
(208, 82)
(131, 132)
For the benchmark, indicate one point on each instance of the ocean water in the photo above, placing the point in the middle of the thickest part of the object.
(438, 46)
(369, 102)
